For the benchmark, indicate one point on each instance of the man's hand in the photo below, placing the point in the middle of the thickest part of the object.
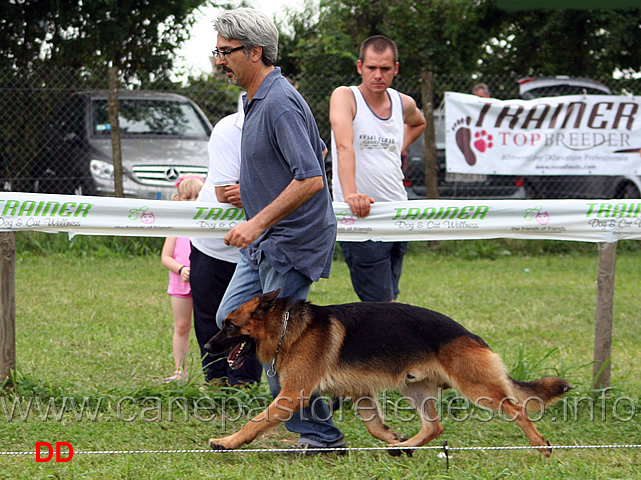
(243, 235)
(232, 195)
(359, 203)
(294, 195)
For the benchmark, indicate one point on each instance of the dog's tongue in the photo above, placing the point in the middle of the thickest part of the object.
(232, 359)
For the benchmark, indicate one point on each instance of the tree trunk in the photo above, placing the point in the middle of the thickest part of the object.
(431, 166)
(115, 131)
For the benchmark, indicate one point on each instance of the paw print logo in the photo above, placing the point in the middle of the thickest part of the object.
(481, 142)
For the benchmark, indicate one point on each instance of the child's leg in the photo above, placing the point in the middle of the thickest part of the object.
(182, 309)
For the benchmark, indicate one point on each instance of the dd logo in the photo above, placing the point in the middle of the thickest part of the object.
(49, 456)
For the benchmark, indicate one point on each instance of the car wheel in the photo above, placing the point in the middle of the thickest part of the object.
(44, 182)
(48, 182)
(628, 190)
(82, 187)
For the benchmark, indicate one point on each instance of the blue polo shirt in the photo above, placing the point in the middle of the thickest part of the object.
(281, 142)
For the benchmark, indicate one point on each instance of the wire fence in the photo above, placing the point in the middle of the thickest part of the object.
(51, 142)
(445, 450)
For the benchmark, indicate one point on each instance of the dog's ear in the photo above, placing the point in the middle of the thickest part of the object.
(270, 296)
(266, 302)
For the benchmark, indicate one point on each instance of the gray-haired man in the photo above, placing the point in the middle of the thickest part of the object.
(289, 237)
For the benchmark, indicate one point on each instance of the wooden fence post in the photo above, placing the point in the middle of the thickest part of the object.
(603, 320)
(431, 166)
(7, 304)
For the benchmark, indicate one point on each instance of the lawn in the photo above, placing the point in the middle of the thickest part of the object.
(94, 332)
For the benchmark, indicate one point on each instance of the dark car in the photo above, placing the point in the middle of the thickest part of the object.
(453, 185)
(163, 137)
(574, 186)
(5, 184)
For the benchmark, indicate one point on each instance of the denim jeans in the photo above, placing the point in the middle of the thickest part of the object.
(313, 423)
(375, 268)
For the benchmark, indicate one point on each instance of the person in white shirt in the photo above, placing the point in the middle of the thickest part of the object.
(212, 262)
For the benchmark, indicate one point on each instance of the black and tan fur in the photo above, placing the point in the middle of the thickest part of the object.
(357, 350)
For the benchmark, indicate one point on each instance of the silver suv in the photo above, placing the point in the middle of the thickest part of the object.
(536, 87)
(163, 137)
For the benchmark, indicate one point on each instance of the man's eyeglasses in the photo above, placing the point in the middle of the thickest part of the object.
(224, 53)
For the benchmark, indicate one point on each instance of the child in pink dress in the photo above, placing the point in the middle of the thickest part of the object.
(175, 257)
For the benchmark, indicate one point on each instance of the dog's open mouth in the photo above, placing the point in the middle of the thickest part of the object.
(238, 354)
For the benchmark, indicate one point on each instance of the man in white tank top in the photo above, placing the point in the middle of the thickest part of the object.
(371, 125)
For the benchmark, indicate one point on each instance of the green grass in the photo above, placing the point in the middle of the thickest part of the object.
(95, 326)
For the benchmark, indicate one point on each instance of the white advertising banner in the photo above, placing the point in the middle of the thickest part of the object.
(581, 220)
(568, 135)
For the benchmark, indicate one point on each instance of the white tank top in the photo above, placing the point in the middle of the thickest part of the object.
(377, 146)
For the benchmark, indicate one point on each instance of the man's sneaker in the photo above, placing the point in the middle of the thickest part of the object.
(308, 447)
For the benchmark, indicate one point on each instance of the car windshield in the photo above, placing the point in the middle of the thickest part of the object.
(150, 117)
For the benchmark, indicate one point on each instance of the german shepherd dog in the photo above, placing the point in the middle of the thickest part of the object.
(359, 349)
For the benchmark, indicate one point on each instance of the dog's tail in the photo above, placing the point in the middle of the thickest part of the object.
(540, 393)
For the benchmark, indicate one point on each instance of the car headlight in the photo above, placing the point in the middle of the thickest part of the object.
(101, 170)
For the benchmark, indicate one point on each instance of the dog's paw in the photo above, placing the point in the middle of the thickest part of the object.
(218, 444)
(547, 452)
(397, 452)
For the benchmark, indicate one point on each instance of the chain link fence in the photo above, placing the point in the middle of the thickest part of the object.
(50, 141)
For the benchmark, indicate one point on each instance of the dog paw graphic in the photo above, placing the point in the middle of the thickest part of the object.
(483, 142)
(464, 139)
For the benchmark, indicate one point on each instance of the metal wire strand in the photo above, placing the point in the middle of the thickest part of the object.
(342, 449)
